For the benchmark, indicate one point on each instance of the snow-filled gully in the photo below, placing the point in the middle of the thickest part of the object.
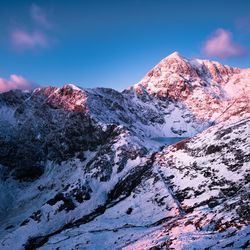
(181, 210)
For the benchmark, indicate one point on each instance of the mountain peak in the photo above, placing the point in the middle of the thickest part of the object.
(174, 58)
(71, 86)
(176, 55)
(176, 77)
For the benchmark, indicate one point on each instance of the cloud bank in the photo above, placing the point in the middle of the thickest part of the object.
(15, 82)
(221, 45)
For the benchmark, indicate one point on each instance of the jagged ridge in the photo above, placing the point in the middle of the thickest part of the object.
(84, 158)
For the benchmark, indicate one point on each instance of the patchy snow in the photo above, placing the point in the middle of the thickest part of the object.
(105, 187)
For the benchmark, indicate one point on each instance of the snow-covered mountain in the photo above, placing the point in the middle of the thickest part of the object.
(80, 168)
(210, 90)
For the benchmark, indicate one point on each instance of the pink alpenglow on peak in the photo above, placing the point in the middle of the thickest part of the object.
(221, 45)
(15, 82)
(176, 55)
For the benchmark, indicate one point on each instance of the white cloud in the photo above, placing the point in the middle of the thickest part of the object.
(24, 40)
(36, 37)
(221, 44)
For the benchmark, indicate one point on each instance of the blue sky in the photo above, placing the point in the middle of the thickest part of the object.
(114, 43)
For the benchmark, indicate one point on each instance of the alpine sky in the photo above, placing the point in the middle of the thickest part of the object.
(114, 43)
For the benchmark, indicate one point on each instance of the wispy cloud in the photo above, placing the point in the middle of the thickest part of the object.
(40, 16)
(15, 82)
(221, 45)
(243, 24)
(35, 37)
(23, 40)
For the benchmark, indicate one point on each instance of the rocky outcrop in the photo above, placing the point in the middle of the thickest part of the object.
(47, 125)
(79, 167)
(210, 90)
(209, 176)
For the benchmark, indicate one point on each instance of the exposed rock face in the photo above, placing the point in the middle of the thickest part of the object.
(42, 126)
(56, 124)
(207, 88)
(79, 167)
(209, 176)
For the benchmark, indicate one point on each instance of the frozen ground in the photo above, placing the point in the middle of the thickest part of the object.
(87, 168)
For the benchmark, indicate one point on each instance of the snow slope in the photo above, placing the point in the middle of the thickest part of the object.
(209, 175)
(79, 168)
(207, 88)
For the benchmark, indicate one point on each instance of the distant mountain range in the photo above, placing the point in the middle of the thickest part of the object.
(81, 169)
